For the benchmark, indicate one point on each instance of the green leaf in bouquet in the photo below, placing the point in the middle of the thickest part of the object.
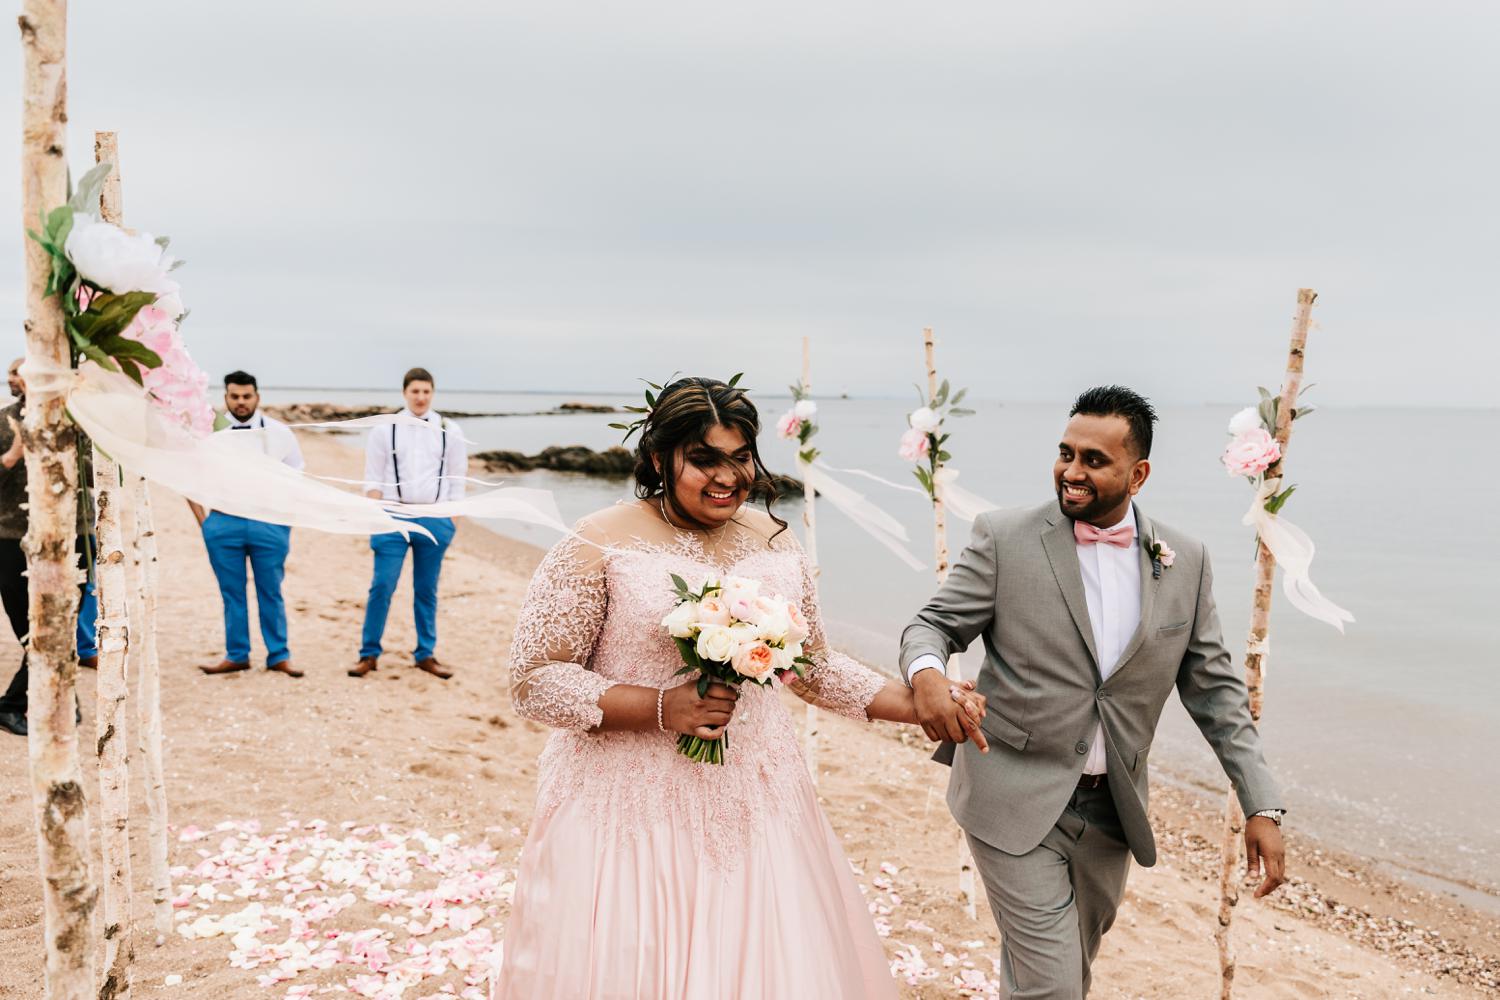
(104, 361)
(703, 683)
(123, 348)
(620, 427)
(86, 195)
(650, 401)
(736, 379)
(1274, 504)
(681, 584)
(689, 653)
(958, 397)
(109, 313)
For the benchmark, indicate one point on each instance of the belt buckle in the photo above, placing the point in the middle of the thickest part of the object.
(1091, 780)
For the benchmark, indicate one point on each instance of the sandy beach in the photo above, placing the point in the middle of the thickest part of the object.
(405, 749)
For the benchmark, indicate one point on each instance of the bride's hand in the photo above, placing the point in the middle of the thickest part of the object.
(684, 712)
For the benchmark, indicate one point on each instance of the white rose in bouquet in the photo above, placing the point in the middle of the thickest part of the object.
(797, 629)
(682, 621)
(782, 658)
(744, 633)
(924, 419)
(716, 643)
(712, 611)
(108, 256)
(770, 615)
(1244, 422)
(738, 594)
(805, 409)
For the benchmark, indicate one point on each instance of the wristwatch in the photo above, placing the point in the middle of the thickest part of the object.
(1274, 815)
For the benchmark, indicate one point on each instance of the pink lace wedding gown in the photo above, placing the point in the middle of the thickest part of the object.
(645, 875)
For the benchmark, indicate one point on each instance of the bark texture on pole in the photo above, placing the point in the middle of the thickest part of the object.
(148, 702)
(1257, 648)
(966, 895)
(810, 543)
(68, 895)
(113, 747)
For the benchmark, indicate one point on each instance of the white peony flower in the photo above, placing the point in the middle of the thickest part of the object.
(716, 643)
(1244, 421)
(108, 256)
(805, 409)
(738, 594)
(682, 621)
(924, 419)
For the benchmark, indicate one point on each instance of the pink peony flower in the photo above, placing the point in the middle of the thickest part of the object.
(178, 386)
(1251, 453)
(753, 660)
(914, 445)
(789, 424)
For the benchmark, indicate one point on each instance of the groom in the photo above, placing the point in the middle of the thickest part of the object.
(1091, 613)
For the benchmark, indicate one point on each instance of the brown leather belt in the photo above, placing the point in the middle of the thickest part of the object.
(1092, 780)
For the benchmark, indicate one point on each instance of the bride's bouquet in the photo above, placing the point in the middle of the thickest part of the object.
(728, 631)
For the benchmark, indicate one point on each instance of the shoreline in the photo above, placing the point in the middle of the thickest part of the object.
(451, 758)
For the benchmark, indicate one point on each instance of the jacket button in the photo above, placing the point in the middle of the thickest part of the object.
(1082, 747)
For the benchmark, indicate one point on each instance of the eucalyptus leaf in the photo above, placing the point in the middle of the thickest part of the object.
(1264, 392)
(86, 195)
(960, 412)
(958, 397)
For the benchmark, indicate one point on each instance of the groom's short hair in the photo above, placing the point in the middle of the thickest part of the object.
(1118, 401)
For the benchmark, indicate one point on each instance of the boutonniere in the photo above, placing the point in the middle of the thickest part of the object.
(1161, 556)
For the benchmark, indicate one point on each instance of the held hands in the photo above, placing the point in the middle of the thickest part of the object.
(682, 711)
(1264, 852)
(948, 712)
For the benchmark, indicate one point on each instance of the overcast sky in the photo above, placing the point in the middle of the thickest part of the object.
(565, 196)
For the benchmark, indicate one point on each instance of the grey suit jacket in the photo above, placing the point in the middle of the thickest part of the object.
(1018, 586)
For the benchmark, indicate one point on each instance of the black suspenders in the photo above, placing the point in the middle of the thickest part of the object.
(442, 465)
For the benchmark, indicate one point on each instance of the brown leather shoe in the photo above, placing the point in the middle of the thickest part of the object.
(433, 667)
(89, 662)
(364, 666)
(225, 667)
(285, 667)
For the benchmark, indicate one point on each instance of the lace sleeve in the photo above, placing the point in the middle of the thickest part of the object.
(833, 681)
(550, 681)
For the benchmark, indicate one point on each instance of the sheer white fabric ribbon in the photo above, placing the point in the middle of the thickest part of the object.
(1293, 550)
(879, 525)
(964, 504)
(221, 473)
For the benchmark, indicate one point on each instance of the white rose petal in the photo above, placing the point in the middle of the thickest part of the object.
(716, 643)
(681, 623)
(805, 409)
(1244, 421)
(924, 419)
(111, 258)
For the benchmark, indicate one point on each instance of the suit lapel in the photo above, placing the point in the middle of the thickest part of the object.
(1150, 581)
(1062, 553)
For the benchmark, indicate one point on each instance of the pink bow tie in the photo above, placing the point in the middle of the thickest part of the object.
(1120, 537)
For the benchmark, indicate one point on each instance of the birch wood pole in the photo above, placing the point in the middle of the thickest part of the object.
(68, 895)
(810, 543)
(113, 746)
(940, 544)
(148, 701)
(1257, 647)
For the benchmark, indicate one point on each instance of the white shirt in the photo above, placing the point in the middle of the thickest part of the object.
(272, 437)
(410, 471)
(1112, 589)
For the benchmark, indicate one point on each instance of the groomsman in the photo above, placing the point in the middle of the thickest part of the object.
(409, 464)
(232, 540)
(14, 593)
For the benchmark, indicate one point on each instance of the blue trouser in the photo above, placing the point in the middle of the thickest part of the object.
(88, 620)
(426, 563)
(230, 541)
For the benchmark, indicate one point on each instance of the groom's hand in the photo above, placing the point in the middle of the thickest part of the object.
(1264, 850)
(942, 717)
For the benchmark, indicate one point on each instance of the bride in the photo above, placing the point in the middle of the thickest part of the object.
(647, 875)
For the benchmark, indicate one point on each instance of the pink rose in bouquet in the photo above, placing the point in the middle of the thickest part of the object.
(754, 660)
(1251, 453)
(713, 611)
(914, 445)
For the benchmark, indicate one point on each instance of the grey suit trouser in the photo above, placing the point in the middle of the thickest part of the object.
(1054, 903)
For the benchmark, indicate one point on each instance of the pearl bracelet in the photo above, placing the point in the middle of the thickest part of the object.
(661, 693)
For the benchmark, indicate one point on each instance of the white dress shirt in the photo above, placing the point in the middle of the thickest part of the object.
(1112, 589)
(413, 465)
(272, 437)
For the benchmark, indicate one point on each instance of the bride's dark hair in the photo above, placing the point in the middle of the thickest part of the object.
(685, 411)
